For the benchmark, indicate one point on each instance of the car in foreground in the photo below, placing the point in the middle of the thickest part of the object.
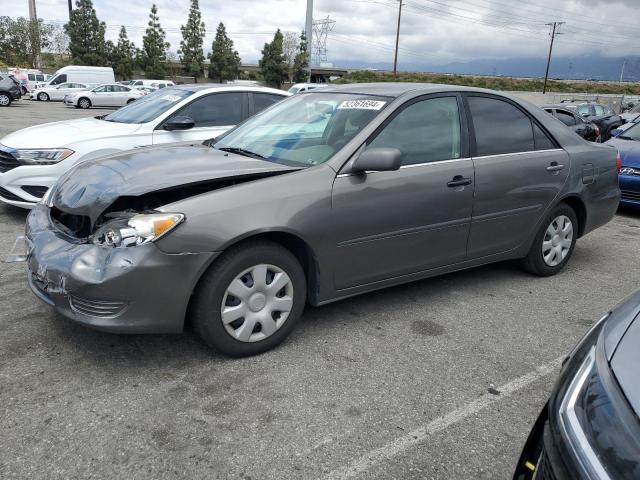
(587, 130)
(601, 115)
(32, 159)
(10, 90)
(58, 92)
(321, 197)
(628, 144)
(109, 95)
(589, 428)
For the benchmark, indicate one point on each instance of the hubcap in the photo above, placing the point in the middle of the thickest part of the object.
(257, 303)
(84, 104)
(43, 97)
(557, 240)
(4, 100)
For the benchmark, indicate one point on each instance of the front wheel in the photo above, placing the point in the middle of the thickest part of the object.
(554, 243)
(84, 103)
(43, 97)
(250, 300)
(5, 100)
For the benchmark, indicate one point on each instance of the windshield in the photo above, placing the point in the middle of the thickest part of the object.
(632, 133)
(304, 130)
(149, 107)
(293, 90)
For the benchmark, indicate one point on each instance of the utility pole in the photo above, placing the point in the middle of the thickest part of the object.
(35, 33)
(395, 58)
(624, 64)
(70, 8)
(554, 31)
(308, 33)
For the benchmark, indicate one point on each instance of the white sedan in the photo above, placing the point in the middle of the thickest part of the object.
(32, 159)
(58, 92)
(108, 95)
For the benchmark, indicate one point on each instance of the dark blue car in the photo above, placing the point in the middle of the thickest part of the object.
(628, 144)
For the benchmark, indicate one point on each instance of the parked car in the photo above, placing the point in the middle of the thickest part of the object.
(32, 159)
(632, 113)
(157, 84)
(9, 90)
(146, 89)
(323, 196)
(110, 95)
(625, 126)
(587, 130)
(589, 429)
(80, 74)
(601, 115)
(58, 92)
(628, 144)
(305, 87)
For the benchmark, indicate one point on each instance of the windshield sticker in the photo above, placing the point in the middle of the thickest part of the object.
(362, 104)
(170, 98)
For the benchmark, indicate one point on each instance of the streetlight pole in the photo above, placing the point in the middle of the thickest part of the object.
(554, 26)
(309, 34)
(395, 58)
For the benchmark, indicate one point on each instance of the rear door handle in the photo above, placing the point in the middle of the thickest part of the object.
(458, 181)
(554, 167)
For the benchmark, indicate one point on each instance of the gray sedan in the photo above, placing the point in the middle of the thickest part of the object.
(322, 196)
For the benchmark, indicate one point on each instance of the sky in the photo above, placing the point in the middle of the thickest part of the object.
(433, 32)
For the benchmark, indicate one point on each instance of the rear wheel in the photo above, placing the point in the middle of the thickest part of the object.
(5, 100)
(43, 97)
(84, 103)
(554, 242)
(250, 300)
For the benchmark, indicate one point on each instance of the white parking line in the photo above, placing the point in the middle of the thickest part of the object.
(405, 442)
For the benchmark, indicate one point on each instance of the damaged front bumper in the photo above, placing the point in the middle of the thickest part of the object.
(122, 290)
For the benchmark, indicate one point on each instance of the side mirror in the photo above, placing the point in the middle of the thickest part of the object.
(179, 122)
(377, 160)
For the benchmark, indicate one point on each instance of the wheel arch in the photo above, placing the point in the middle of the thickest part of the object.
(578, 206)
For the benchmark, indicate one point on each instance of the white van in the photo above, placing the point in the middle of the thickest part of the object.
(81, 74)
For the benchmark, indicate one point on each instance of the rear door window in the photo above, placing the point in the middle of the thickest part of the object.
(426, 131)
(218, 109)
(500, 127)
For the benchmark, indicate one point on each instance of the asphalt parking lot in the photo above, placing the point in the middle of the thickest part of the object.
(392, 384)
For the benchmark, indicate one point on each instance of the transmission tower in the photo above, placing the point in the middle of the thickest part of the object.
(321, 29)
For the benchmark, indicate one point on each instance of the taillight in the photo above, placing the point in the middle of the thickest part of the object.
(597, 129)
(618, 162)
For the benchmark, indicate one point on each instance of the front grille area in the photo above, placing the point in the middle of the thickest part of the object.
(544, 470)
(35, 190)
(96, 308)
(629, 195)
(7, 195)
(7, 162)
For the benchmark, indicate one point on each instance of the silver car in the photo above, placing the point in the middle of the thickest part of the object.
(108, 95)
(320, 197)
(58, 92)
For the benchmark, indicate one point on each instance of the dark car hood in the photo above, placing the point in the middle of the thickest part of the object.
(92, 186)
(622, 342)
(629, 151)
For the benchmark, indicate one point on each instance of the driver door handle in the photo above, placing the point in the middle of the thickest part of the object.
(459, 181)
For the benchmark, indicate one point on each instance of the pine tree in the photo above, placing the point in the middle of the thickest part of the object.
(154, 47)
(272, 63)
(124, 54)
(225, 61)
(191, 53)
(86, 35)
(301, 62)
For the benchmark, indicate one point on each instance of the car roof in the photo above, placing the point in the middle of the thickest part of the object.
(396, 89)
(559, 106)
(198, 87)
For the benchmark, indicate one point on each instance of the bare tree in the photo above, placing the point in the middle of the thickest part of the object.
(290, 48)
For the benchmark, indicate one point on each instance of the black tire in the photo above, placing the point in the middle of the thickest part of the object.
(85, 104)
(5, 99)
(131, 100)
(206, 307)
(534, 262)
(43, 97)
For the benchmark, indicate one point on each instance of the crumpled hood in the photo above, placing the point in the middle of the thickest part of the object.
(629, 151)
(91, 187)
(66, 132)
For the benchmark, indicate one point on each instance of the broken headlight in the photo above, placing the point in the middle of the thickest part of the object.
(137, 229)
(45, 156)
